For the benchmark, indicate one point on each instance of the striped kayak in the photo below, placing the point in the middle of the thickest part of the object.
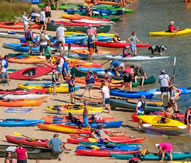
(164, 33)
(11, 122)
(23, 91)
(12, 25)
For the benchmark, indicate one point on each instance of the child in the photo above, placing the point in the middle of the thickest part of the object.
(71, 84)
(54, 79)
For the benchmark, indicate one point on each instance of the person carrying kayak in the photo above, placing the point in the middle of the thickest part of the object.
(85, 115)
(164, 147)
(117, 65)
(187, 119)
(172, 28)
(139, 74)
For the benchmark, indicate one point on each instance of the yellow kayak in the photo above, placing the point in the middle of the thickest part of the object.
(74, 109)
(81, 33)
(164, 33)
(161, 122)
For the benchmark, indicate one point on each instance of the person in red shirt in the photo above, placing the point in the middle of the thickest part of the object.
(21, 154)
(172, 28)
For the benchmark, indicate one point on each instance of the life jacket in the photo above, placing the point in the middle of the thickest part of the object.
(6, 63)
(118, 39)
(90, 79)
(28, 35)
(142, 107)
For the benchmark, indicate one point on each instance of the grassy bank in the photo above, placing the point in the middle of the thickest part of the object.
(10, 10)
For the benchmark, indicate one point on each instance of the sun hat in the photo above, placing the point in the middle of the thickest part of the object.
(143, 96)
(172, 22)
(157, 145)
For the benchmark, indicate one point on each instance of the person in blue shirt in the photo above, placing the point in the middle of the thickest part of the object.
(117, 65)
(65, 68)
(71, 86)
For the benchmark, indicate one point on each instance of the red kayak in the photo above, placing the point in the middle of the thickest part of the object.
(120, 45)
(29, 73)
(11, 25)
(76, 24)
(102, 153)
(29, 142)
(24, 91)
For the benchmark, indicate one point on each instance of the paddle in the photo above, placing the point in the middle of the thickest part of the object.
(19, 134)
(173, 73)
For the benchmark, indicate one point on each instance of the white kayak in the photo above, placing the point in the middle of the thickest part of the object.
(135, 58)
(86, 57)
(13, 34)
(93, 21)
(26, 96)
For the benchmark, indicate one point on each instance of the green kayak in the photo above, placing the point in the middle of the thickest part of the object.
(111, 143)
(175, 156)
(123, 103)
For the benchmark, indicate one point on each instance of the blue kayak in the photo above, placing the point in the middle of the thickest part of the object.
(12, 122)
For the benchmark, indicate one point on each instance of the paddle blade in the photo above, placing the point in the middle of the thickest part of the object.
(174, 61)
(92, 140)
(17, 133)
(147, 125)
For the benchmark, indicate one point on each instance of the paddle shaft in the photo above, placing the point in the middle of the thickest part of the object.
(173, 73)
(104, 63)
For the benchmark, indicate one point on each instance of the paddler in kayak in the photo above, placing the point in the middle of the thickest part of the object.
(172, 28)
(126, 51)
(117, 65)
(187, 119)
(116, 38)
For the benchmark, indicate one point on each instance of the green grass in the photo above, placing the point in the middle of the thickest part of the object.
(9, 11)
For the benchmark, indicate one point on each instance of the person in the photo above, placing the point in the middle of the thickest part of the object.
(169, 112)
(139, 74)
(42, 20)
(35, 17)
(90, 46)
(48, 54)
(43, 41)
(71, 86)
(133, 39)
(117, 65)
(61, 36)
(8, 158)
(126, 51)
(89, 9)
(60, 63)
(65, 68)
(106, 96)
(54, 80)
(21, 154)
(164, 84)
(4, 67)
(127, 80)
(93, 32)
(140, 109)
(116, 38)
(130, 70)
(165, 147)
(90, 80)
(25, 20)
(187, 119)
(29, 38)
(172, 28)
(57, 4)
(48, 12)
(85, 115)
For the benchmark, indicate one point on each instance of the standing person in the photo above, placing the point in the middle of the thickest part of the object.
(48, 12)
(117, 65)
(106, 96)
(164, 83)
(133, 39)
(93, 32)
(57, 4)
(85, 115)
(127, 80)
(8, 158)
(21, 154)
(90, 80)
(54, 80)
(42, 20)
(65, 68)
(43, 41)
(29, 38)
(25, 20)
(4, 67)
(140, 74)
(61, 36)
(60, 62)
(187, 119)
(140, 109)
(165, 147)
(71, 86)
(90, 47)
(48, 54)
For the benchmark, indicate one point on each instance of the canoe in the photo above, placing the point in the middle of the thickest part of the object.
(164, 33)
(104, 2)
(11, 122)
(135, 58)
(23, 91)
(74, 109)
(120, 44)
(33, 153)
(155, 156)
(29, 73)
(162, 122)
(12, 25)
(63, 128)
(61, 118)
(25, 141)
(122, 103)
(21, 102)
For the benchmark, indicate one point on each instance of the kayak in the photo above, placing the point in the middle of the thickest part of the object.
(23, 91)
(120, 44)
(86, 52)
(135, 58)
(12, 25)
(61, 118)
(11, 34)
(84, 33)
(21, 102)
(86, 56)
(123, 103)
(110, 144)
(27, 141)
(11, 122)
(28, 60)
(161, 122)
(99, 11)
(104, 2)
(75, 24)
(164, 33)
(153, 156)
(74, 109)
(29, 73)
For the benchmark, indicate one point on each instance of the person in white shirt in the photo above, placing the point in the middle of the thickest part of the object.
(42, 20)
(61, 36)
(60, 62)
(25, 20)
(43, 41)
(106, 96)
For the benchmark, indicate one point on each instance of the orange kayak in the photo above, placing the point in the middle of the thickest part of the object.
(28, 60)
(86, 52)
(104, 2)
(21, 102)
(12, 25)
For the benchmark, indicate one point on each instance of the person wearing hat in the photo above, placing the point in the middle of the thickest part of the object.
(187, 119)
(65, 68)
(85, 115)
(140, 74)
(29, 38)
(25, 20)
(106, 96)
(164, 148)
(4, 67)
(126, 51)
(140, 109)
(172, 28)
(164, 83)
(54, 80)
(71, 86)
(90, 46)
(42, 20)
(101, 133)
(60, 34)
(117, 65)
